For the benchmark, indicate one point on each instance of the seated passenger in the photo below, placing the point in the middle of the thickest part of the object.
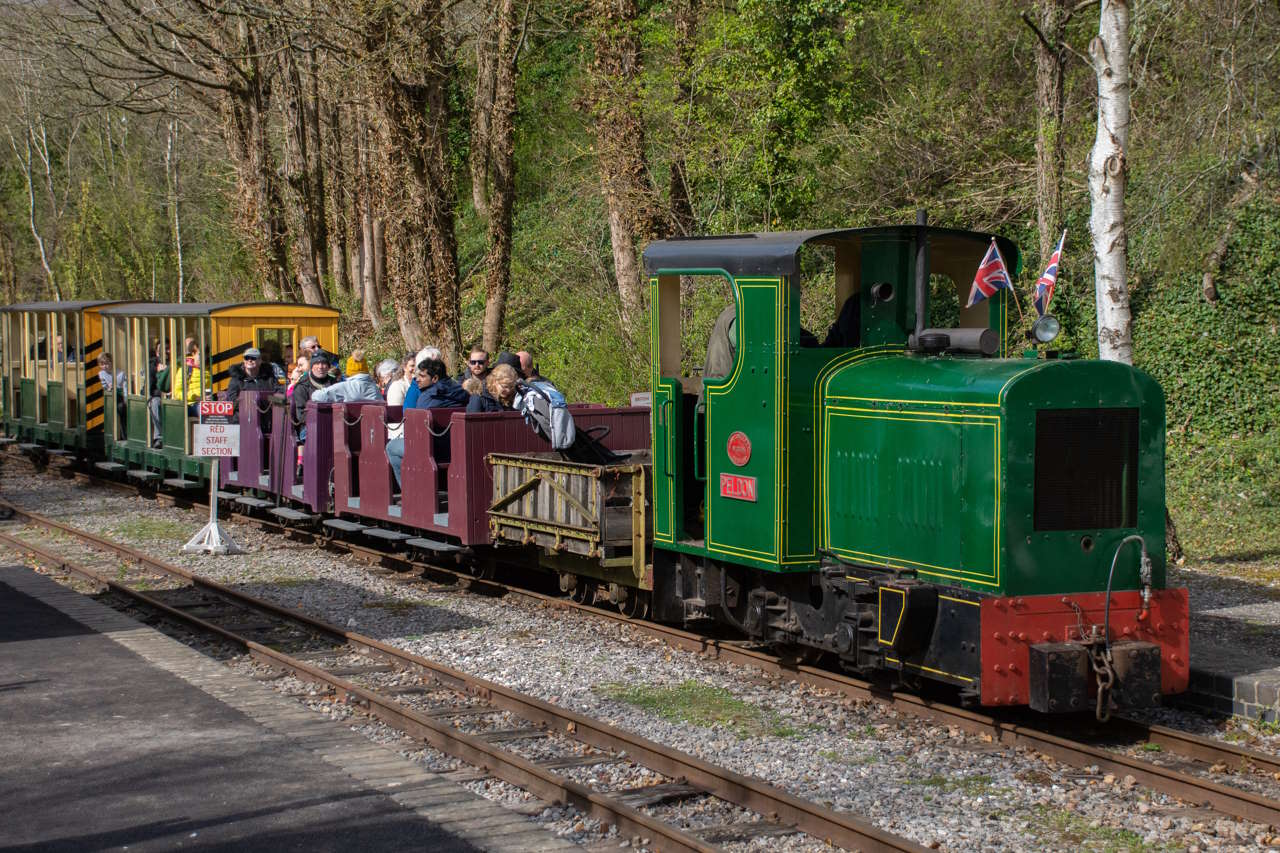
(472, 386)
(435, 390)
(358, 386)
(397, 390)
(317, 377)
(195, 391)
(295, 375)
(477, 365)
(114, 385)
(411, 393)
(500, 391)
(250, 375)
(385, 375)
(356, 363)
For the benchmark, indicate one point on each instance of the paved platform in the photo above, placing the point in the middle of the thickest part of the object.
(115, 736)
(1235, 646)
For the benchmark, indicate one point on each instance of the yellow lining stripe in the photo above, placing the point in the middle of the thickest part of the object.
(929, 669)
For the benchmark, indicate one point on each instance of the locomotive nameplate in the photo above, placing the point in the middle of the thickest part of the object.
(739, 448)
(738, 487)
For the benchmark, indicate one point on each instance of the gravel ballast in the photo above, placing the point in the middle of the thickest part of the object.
(940, 787)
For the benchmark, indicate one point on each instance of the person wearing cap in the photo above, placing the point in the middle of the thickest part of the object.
(317, 377)
(250, 375)
(356, 363)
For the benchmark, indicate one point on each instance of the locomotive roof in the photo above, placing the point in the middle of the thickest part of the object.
(62, 307)
(774, 252)
(197, 309)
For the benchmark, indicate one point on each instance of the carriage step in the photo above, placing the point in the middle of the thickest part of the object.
(109, 467)
(227, 496)
(181, 482)
(386, 535)
(61, 451)
(289, 514)
(433, 545)
(252, 503)
(30, 447)
(144, 475)
(343, 525)
(6, 440)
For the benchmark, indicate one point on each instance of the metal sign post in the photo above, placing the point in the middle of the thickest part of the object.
(215, 437)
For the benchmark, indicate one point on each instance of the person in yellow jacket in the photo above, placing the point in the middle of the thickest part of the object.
(194, 391)
(356, 363)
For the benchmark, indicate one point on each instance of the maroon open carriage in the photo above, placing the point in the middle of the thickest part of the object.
(447, 483)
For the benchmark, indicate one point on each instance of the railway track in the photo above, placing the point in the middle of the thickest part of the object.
(1179, 768)
(517, 738)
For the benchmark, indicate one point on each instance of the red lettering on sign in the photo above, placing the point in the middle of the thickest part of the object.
(217, 408)
(739, 448)
(738, 487)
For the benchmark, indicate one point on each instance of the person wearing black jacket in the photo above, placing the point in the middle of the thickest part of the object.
(251, 375)
(317, 377)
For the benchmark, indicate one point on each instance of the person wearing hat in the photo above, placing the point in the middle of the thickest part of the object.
(356, 363)
(317, 377)
(250, 375)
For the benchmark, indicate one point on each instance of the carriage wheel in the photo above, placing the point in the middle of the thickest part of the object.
(483, 568)
(633, 603)
(583, 592)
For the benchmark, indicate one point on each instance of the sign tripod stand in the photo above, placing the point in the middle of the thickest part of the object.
(216, 436)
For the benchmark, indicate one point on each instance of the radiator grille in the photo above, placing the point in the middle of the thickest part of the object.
(1086, 469)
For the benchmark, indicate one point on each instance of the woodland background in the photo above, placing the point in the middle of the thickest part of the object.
(464, 171)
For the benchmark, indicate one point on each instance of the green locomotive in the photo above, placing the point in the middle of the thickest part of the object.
(906, 497)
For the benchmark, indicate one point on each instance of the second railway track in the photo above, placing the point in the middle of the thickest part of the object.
(477, 721)
(1180, 769)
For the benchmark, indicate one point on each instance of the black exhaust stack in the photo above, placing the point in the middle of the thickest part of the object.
(922, 277)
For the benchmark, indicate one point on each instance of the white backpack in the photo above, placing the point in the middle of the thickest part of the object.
(545, 410)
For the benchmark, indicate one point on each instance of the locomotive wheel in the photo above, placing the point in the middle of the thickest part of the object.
(633, 603)
(800, 654)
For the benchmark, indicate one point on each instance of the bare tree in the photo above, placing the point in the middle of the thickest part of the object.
(628, 190)
(499, 164)
(45, 161)
(408, 60)
(1050, 29)
(1108, 173)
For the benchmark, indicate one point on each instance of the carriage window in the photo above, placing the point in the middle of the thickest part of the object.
(276, 343)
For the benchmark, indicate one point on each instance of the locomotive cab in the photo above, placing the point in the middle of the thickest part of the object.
(898, 493)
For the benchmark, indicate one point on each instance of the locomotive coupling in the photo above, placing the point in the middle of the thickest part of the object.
(1059, 676)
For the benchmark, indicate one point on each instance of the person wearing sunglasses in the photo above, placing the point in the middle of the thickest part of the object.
(250, 375)
(477, 365)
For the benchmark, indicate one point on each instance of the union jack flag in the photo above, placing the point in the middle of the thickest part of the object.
(991, 276)
(1046, 282)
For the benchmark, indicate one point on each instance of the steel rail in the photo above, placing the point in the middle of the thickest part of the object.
(1225, 799)
(838, 828)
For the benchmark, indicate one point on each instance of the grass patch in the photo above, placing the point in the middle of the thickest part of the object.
(1078, 832)
(1152, 747)
(969, 785)
(702, 705)
(288, 583)
(394, 605)
(153, 528)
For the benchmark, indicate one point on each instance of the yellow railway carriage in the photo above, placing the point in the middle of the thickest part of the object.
(200, 342)
(49, 375)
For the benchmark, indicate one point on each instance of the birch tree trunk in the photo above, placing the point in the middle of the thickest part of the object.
(171, 179)
(1107, 176)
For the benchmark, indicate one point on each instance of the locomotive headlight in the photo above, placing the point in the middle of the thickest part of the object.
(1046, 329)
